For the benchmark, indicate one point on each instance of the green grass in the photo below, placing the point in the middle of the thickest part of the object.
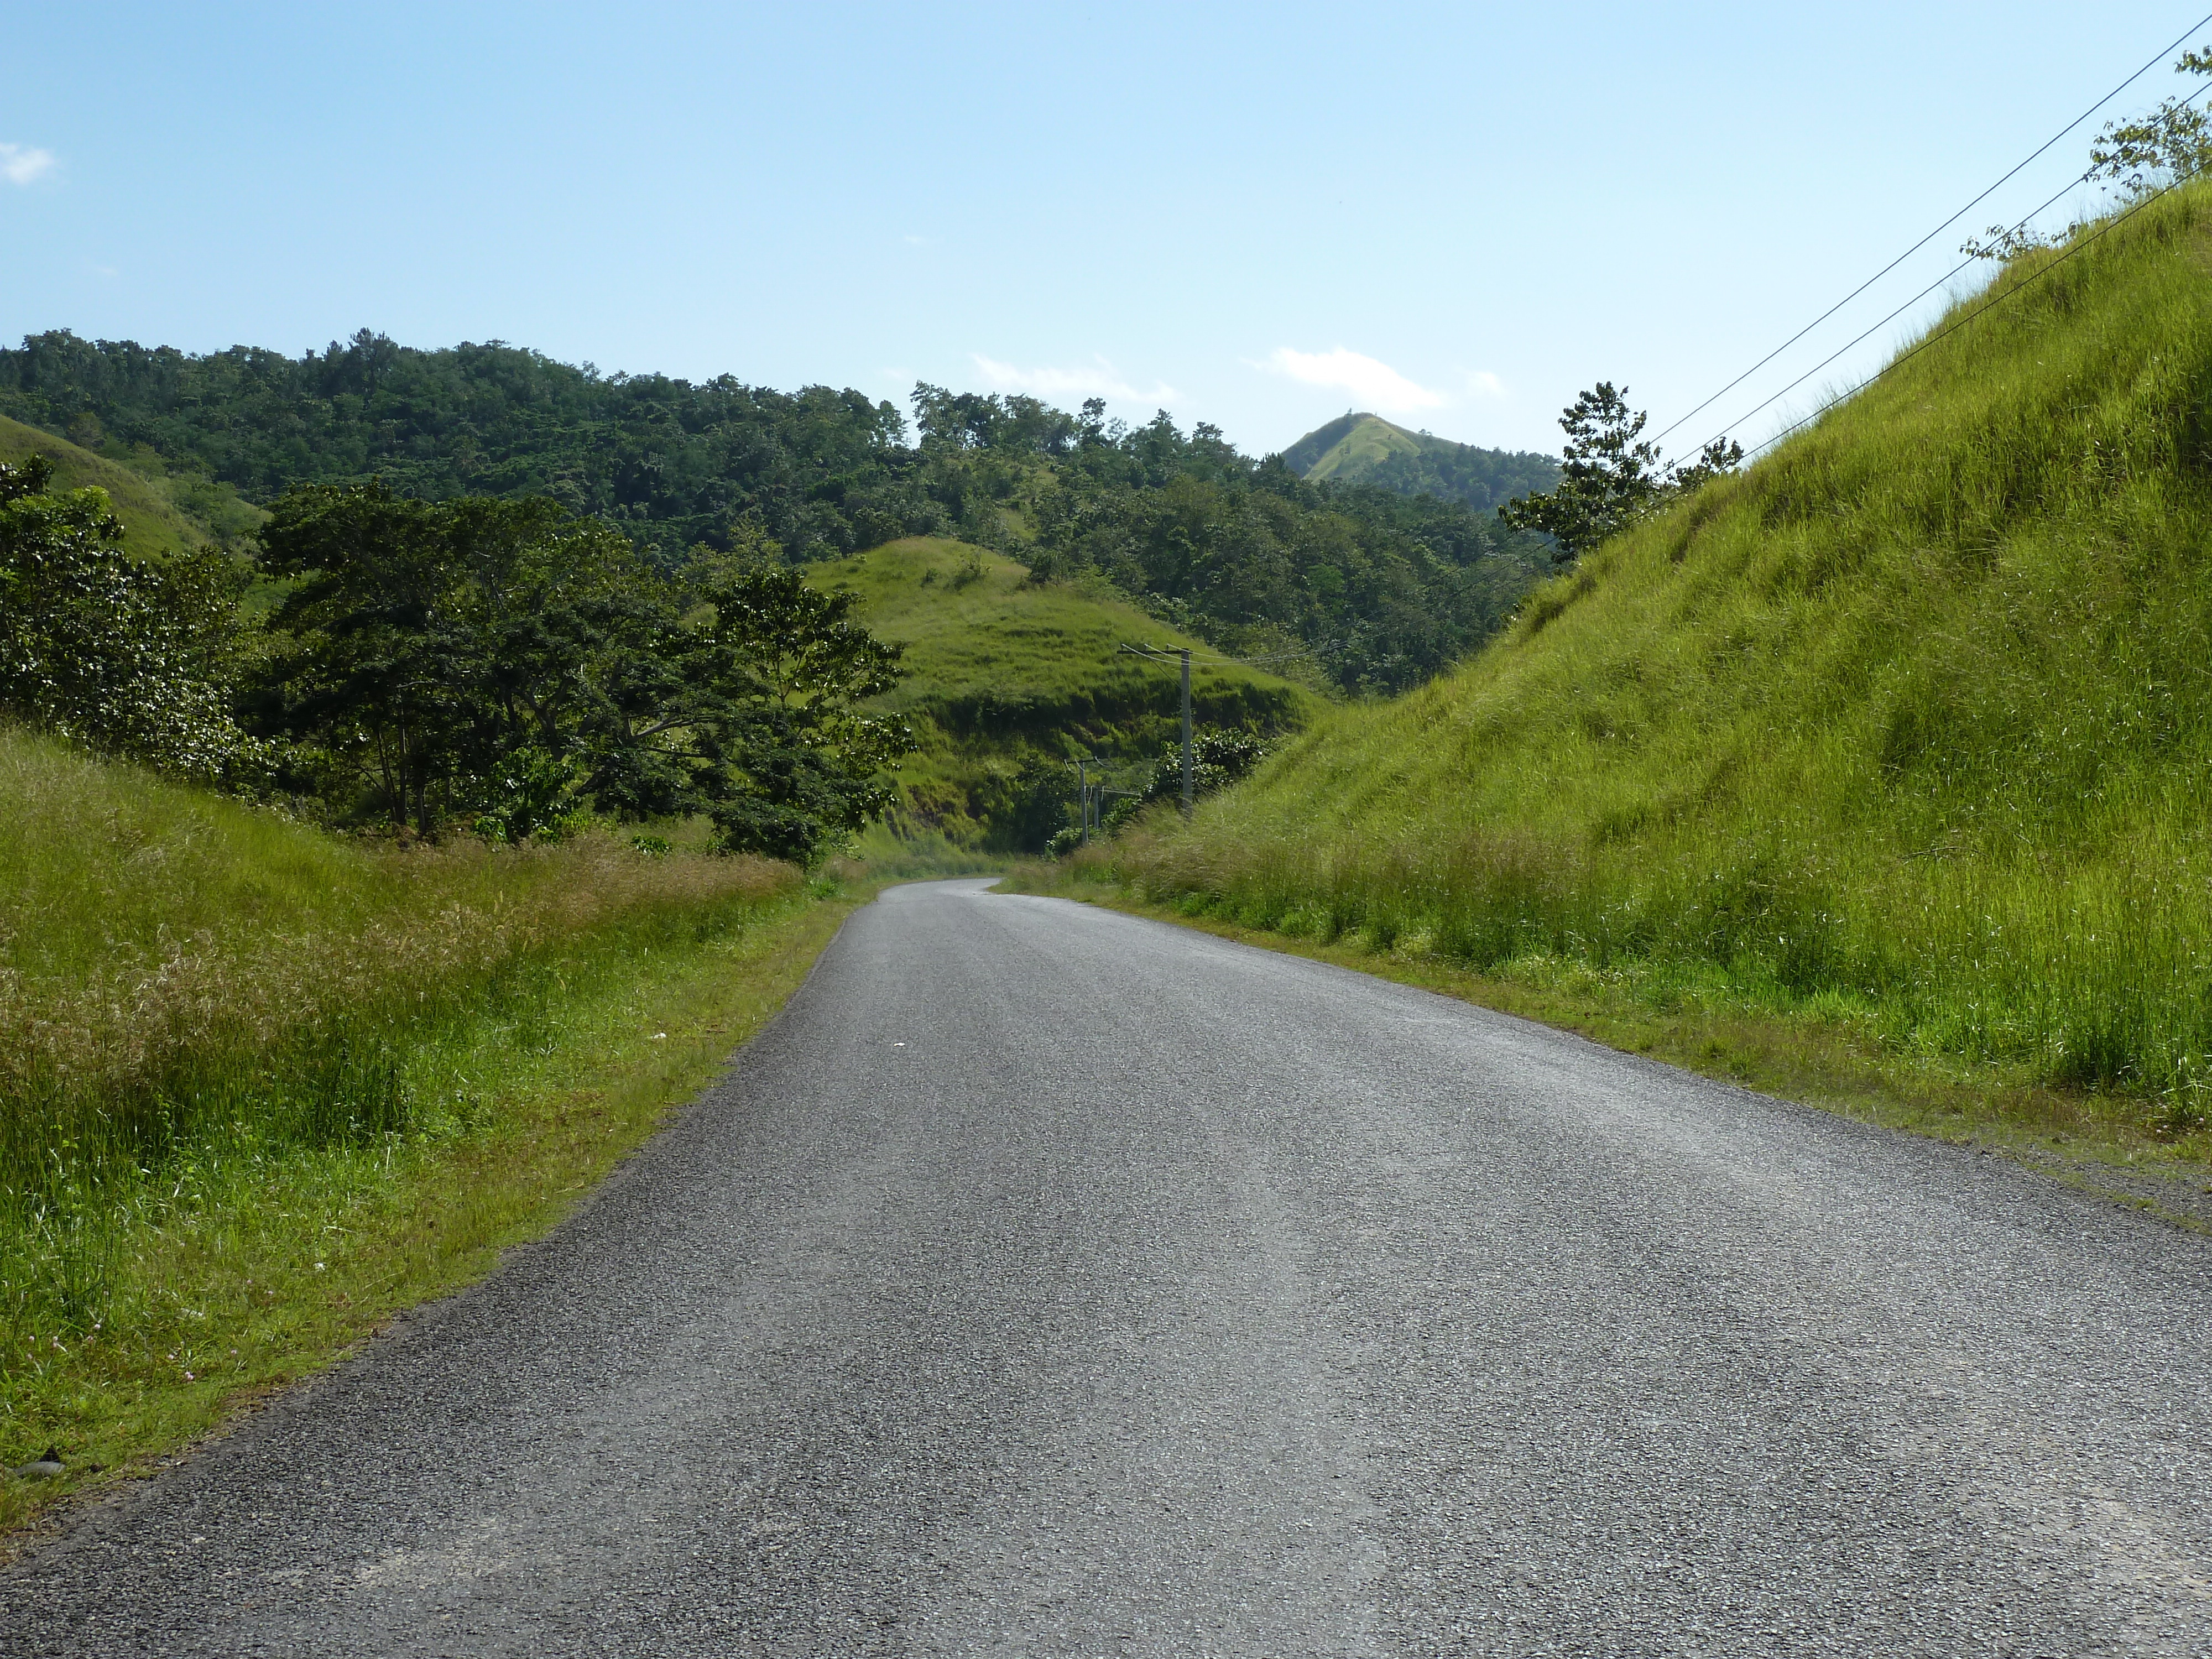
(880, 852)
(986, 649)
(160, 515)
(1370, 442)
(1006, 676)
(260, 1086)
(1910, 724)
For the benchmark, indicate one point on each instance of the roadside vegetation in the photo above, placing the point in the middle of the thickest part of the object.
(1906, 730)
(370, 881)
(264, 1086)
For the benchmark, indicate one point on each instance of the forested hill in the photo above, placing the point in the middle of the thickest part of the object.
(1380, 591)
(670, 462)
(1362, 448)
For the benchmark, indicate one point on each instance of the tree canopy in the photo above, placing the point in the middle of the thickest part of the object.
(1611, 475)
(1384, 591)
(127, 657)
(512, 663)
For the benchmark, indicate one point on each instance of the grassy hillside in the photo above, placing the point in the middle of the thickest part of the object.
(1349, 440)
(260, 1085)
(160, 515)
(1367, 449)
(1009, 681)
(1909, 724)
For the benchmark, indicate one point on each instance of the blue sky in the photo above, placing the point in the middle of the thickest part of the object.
(1255, 216)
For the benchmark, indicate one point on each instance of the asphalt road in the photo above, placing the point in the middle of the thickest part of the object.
(1049, 1282)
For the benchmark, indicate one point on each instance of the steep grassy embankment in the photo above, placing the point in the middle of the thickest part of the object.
(260, 1087)
(1009, 681)
(1908, 727)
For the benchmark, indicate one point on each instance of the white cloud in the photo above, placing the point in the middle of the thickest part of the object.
(1376, 385)
(19, 165)
(1100, 380)
(1482, 384)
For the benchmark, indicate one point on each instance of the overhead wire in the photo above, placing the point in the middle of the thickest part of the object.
(1174, 652)
(1949, 276)
(2150, 64)
(1994, 300)
(2021, 287)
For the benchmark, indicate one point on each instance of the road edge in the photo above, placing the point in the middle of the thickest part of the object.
(2080, 1141)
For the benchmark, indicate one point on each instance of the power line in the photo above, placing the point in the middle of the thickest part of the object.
(1254, 662)
(1328, 650)
(2087, 242)
(1852, 344)
(2154, 61)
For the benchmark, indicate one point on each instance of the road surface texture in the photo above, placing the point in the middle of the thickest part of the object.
(1049, 1282)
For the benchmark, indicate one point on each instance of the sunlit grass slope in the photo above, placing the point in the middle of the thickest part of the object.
(156, 523)
(1005, 675)
(260, 1085)
(1912, 720)
(1363, 442)
(145, 921)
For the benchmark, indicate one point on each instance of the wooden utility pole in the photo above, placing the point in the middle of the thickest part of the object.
(1155, 654)
(1186, 733)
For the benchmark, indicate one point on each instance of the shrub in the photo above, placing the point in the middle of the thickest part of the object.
(126, 657)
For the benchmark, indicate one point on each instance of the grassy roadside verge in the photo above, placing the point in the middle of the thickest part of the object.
(2103, 1143)
(251, 1272)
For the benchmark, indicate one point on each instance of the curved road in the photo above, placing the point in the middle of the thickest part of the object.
(1049, 1282)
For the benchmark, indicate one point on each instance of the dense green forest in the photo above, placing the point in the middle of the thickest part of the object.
(1379, 590)
(499, 664)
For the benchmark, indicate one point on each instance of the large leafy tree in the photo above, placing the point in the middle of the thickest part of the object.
(129, 657)
(765, 680)
(509, 662)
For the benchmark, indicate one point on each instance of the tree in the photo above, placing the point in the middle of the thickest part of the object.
(1611, 476)
(509, 664)
(128, 657)
(435, 651)
(2173, 143)
(790, 668)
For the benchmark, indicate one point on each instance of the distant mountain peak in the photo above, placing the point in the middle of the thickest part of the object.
(1362, 447)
